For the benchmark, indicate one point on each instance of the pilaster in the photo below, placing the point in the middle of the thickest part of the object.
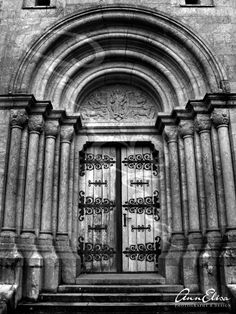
(69, 261)
(33, 260)
(190, 258)
(220, 119)
(172, 260)
(45, 241)
(11, 260)
(209, 266)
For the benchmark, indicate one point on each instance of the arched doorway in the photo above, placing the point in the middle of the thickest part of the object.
(120, 68)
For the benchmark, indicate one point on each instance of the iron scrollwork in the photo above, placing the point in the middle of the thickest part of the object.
(148, 205)
(144, 252)
(90, 252)
(89, 205)
(90, 162)
(143, 161)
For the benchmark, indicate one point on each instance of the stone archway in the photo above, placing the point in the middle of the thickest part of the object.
(110, 44)
(77, 64)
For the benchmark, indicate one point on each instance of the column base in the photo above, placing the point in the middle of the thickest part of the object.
(11, 263)
(209, 262)
(50, 276)
(191, 278)
(33, 264)
(70, 263)
(228, 261)
(171, 261)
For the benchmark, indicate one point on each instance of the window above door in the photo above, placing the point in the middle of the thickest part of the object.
(39, 4)
(196, 3)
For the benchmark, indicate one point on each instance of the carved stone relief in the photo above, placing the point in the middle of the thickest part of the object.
(116, 103)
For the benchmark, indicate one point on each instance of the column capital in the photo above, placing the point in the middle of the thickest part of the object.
(18, 118)
(171, 133)
(51, 128)
(36, 123)
(202, 122)
(67, 132)
(220, 117)
(186, 128)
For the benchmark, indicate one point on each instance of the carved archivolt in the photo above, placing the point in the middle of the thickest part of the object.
(117, 103)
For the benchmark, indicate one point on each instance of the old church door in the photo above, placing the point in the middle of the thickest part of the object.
(119, 222)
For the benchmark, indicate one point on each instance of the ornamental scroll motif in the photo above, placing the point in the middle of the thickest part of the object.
(142, 161)
(90, 206)
(144, 251)
(89, 162)
(94, 252)
(117, 103)
(148, 205)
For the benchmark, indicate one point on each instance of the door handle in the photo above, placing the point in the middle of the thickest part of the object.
(125, 219)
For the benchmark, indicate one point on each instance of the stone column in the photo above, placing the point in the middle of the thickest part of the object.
(11, 261)
(46, 248)
(67, 259)
(190, 259)
(209, 257)
(173, 258)
(220, 118)
(18, 119)
(32, 259)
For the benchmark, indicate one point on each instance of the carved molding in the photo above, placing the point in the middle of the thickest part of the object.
(171, 133)
(202, 122)
(186, 128)
(220, 117)
(117, 103)
(36, 123)
(18, 117)
(51, 128)
(67, 133)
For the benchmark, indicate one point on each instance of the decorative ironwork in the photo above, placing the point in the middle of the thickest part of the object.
(90, 162)
(148, 205)
(141, 228)
(90, 206)
(143, 161)
(139, 183)
(97, 183)
(97, 228)
(144, 252)
(90, 252)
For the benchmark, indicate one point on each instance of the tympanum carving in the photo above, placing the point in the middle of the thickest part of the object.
(117, 103)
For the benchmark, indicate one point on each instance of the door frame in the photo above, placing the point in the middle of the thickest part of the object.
(118, 142)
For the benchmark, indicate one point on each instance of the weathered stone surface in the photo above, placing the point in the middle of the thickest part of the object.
(186, 128)
(18, 117)
(36, 123)
(67, 133)
(202, 122)
(220, 117)
(51, 128)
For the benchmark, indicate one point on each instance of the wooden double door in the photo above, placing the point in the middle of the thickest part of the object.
(119, 209)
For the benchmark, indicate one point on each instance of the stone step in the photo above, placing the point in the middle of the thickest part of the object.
(107, 297)
(119, 288)
(121, 279)
(124, 308)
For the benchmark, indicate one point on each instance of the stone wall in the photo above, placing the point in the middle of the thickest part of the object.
(21, 27)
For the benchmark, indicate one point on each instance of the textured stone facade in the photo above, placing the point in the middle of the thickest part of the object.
(81, 72)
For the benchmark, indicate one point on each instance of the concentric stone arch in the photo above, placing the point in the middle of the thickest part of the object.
(128, 44)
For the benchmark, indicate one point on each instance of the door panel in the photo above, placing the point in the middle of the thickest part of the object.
(97, 207)
(119, 209)
(140, 208)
